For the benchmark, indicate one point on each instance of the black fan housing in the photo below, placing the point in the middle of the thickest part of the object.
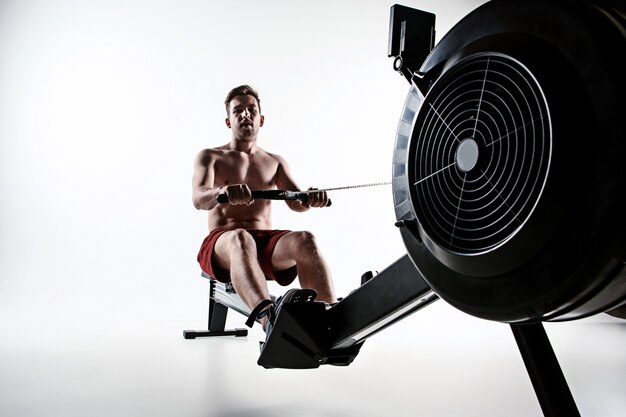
(508, 170)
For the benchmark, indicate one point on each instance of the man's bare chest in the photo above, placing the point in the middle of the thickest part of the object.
(257, 173)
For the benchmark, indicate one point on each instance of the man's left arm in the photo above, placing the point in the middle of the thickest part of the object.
(284, 180)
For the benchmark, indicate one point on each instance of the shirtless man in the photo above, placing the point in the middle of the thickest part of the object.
(242, 247)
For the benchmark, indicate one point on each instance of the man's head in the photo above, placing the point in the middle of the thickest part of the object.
(244, 112)
(242, 90)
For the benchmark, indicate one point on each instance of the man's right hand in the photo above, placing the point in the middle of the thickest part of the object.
(238, 194)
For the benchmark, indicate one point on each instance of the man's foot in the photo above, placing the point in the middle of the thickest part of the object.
(294, 295)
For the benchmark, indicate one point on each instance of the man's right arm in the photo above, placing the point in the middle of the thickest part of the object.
(205, 193)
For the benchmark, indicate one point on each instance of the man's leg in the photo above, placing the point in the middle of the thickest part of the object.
(300, 248)
(236, 251)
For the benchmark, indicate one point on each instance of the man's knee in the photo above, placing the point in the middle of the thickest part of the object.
(241, 240)
(305, 241)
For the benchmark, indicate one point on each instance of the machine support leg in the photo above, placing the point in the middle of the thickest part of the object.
(217, 316)
(216, 320)
(544, 370)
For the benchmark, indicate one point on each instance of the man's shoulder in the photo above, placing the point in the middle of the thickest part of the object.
(211, 153)
(218, 150)
(206, 158)
(272, 155)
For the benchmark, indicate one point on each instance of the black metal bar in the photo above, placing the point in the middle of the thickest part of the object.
(274, 195)
(389, 296)
(543, 367)
(192, 334)
(217, 316)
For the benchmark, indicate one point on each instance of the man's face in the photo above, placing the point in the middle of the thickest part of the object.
(244, 117)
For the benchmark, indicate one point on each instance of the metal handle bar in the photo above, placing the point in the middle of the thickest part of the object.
(273, 195)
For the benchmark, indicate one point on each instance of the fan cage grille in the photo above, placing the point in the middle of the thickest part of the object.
(480, 152)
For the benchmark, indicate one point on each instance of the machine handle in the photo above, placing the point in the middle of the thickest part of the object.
(273, 195)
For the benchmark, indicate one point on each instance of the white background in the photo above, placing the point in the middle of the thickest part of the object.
(103, 107)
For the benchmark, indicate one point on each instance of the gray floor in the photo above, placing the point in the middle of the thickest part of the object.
(438, 362)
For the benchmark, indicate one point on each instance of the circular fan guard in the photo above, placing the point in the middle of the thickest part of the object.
(481, 154)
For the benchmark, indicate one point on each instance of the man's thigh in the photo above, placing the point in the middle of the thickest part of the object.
(223, 248)
(284, 255)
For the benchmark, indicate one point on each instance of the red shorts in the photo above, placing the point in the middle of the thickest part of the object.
(265, 243)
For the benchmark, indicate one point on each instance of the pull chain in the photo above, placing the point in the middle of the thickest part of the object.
(373, 184)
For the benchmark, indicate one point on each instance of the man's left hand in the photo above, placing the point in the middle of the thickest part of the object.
(317, 198)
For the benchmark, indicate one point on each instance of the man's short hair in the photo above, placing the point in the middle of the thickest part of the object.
(242, 90)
